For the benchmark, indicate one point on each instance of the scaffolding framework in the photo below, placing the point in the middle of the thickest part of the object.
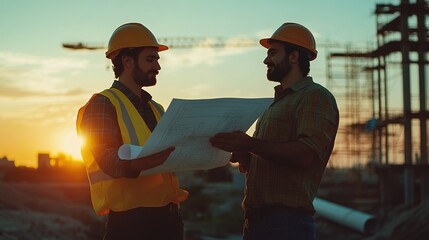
(352, 89)
(402, 35)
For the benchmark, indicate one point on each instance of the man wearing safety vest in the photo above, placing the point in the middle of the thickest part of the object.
(285, 159)
(139, 207)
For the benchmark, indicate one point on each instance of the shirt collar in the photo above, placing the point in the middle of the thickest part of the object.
(145, 96)
(280, 92)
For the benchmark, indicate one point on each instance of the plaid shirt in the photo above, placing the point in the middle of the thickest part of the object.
(102, 132)
(306, 112)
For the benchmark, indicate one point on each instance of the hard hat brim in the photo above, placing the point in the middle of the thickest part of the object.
(264, 42)
(114, 53)
(162, 48)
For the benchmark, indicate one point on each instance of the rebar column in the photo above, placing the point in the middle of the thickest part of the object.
(406, 92)
(421, 33)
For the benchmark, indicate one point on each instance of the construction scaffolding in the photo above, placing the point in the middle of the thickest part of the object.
(402, 45)
(351, 86)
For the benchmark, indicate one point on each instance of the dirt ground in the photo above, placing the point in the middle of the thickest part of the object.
(46, 211)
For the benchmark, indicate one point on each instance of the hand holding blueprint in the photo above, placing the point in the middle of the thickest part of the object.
(188, 125)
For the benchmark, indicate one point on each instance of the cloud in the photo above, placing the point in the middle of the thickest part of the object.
(36, 89)
(9, 91)
(41, 112)
(264, 33)
(48, 64)
(25, 74)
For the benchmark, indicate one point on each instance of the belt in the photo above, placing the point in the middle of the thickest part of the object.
(262, 212)
(169, 208)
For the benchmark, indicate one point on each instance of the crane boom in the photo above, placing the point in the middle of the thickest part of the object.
(192, 42)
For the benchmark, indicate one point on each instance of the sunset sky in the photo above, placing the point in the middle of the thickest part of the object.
(42, 85)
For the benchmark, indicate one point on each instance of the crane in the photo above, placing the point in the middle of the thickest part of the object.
(180, 42)
(82, 46)
(194, 42)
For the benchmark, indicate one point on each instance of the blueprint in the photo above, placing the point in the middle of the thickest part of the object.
(189, 124)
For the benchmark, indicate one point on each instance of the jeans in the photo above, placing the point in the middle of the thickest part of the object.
(288, 225)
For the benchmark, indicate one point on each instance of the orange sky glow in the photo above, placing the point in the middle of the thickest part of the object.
(42, 85)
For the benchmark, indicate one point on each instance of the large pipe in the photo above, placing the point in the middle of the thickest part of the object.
(359, 221)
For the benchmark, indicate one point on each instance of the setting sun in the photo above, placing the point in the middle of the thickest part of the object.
(71, 144)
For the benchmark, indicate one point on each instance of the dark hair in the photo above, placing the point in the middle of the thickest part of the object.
(118, 67)
(304, 58)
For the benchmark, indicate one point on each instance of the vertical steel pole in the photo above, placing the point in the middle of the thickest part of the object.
(406, 92)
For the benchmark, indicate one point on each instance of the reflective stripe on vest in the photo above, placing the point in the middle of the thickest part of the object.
(98, 176)
(125, 117)
(129, 127)
(158, 107)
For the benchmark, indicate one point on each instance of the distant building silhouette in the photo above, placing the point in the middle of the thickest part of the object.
(6, 163)
(43, 161)
(46, 161)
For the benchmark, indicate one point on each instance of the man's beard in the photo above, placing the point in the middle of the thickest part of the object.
(142, 79)
(276, 73)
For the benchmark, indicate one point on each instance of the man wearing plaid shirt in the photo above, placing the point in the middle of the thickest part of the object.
(285, 159)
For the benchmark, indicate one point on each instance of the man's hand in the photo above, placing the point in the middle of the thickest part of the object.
(243, 160)
(151, 161)
(232, 142)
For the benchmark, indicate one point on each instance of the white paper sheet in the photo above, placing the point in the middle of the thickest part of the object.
(188, 124)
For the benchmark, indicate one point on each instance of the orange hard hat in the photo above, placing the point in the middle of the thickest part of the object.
(131, 35)
(296, 34)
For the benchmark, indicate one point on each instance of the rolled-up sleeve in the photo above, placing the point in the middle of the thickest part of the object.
(318, 120)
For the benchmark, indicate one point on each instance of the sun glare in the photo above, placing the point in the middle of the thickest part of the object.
(72, 144)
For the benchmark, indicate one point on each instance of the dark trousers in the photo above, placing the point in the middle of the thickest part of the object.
(278, 224)
(159, 223)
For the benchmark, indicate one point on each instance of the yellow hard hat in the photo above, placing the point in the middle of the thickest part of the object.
(296, 34)
(131, 35)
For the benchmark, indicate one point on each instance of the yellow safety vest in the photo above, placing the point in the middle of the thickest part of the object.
(120, 194)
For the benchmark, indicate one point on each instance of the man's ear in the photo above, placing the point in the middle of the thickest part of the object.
(293, 57)
(127, 62)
